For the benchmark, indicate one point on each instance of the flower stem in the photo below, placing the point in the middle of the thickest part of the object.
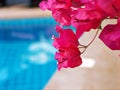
(85, 47)
(93, 38)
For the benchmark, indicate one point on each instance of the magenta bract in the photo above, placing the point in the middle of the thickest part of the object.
(111, 36)
(68, 54)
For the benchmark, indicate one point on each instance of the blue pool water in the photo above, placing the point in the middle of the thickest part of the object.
(26, 53)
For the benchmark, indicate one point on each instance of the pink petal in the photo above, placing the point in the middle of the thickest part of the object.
(111, 36)
(43, 5)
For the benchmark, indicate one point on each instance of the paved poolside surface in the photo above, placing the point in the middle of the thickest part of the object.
(100, 69)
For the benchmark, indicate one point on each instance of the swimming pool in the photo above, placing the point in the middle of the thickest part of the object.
(26, 53)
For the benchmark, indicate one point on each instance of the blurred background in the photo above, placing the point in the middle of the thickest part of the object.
(26, 52)
(31, 3)
(27, 56)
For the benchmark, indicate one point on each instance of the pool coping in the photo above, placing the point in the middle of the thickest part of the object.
(21, 11)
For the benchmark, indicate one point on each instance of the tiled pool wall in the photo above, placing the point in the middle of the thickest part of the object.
(26, 53)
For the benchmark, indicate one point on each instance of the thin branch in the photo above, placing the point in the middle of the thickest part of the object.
(83, 46)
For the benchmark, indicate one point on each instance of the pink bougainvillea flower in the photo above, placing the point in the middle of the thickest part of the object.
(111, 36)
(116, 4)
(85, 20)
(110, 7)
(43, 5)
(61, 13)
(62, 16)
(60, 10)
(74, 3)
(46, 4)
(68, 54)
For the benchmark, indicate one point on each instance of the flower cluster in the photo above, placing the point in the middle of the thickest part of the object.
(84, 15)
